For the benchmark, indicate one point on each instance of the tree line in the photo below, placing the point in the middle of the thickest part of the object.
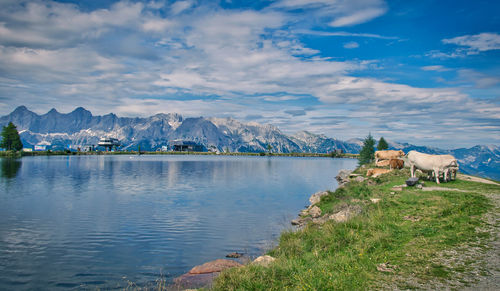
(367, 153)
(11, 140)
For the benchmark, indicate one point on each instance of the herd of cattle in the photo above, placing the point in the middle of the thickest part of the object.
(433, 165)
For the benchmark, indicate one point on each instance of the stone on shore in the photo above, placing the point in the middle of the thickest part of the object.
(301, 221)
(346, 213)
(316, 197)
(264, 261)
(315, 212)
(343, 177)
(214, 266)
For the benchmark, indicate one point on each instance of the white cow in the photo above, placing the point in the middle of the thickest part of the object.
(438, 164)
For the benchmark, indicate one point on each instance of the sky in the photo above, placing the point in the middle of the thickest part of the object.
(424, 72)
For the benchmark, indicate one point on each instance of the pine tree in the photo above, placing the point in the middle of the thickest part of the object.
(382, 144)
(367, 153)
(10, 138)
(269, 148)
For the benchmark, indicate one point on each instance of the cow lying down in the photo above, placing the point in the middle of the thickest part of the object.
(376, 172)
(436, 164)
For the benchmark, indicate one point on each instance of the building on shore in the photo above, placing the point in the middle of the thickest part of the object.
(109, 143)
(40, 147)
(186, 146)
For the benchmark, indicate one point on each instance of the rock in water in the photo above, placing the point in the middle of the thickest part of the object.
(234, 255)
(214, 266)
(412, 181)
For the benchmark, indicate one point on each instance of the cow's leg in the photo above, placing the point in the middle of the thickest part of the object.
(436, 172)
(447, 175)
(412, 170)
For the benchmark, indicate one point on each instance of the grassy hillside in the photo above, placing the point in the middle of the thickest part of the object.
(409, 239)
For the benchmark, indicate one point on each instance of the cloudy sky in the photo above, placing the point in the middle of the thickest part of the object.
(425, 72)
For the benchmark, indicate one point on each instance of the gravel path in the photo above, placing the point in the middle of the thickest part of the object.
(476, 179)
(481, 259)
(492, 257)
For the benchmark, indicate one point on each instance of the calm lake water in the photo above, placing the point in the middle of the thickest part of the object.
(102, 221)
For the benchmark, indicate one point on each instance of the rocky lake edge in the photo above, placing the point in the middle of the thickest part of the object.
(431, 256)
(427, 260)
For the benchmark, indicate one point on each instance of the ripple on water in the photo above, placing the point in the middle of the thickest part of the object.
(104, 221)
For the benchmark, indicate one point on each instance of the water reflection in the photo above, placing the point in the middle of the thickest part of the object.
(89, 221)
(10, 167)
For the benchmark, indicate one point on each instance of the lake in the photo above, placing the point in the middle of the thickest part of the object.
(104, 221)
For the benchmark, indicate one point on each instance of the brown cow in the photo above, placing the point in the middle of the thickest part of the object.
(396, 164)
(376, 172)
(387, 155)
(382, 163)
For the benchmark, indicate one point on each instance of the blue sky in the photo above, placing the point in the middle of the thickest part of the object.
(424, 72)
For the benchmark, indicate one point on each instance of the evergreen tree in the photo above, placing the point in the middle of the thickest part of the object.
(382, 144)
(269, 148)
(367, 153)
(10, 138)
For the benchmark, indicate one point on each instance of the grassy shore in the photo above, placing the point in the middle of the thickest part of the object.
(408, 240)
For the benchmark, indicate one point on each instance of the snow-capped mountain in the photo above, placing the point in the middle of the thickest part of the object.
(80, 128)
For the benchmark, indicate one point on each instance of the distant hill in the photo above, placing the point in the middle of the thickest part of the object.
(80, 127)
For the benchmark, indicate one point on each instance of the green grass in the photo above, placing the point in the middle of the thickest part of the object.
(10, 154)
(344, 256)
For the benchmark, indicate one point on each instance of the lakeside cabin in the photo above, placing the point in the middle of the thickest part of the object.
(109, 143)
(186, 146)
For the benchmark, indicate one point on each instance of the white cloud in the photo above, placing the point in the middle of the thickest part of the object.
(478, 79)
(351, 45)
(370, 91)
(52, 24)
(157, 25)
(341, 13)
(204, 60)
(358, 17)
(344, 33)
(476, 43)
(469, 45)
(436, 68)
(180, 6)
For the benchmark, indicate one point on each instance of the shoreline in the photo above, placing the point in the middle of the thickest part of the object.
(373, 233)
(197, 280)
(8, 154)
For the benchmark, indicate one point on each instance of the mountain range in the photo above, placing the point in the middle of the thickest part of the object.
(80, 128)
